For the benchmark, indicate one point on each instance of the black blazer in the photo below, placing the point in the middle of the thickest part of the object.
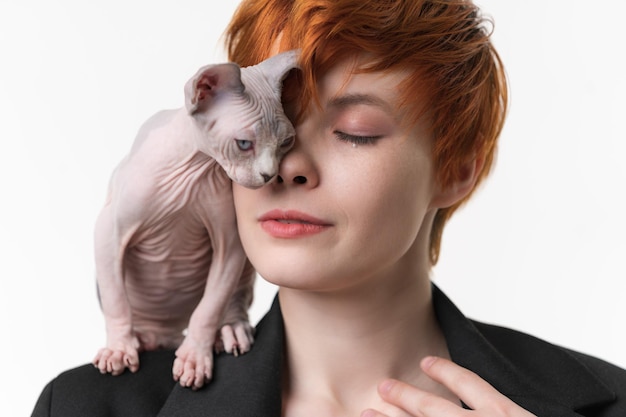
(547, 380)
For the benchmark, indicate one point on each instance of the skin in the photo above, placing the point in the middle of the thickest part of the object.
(482, 398)
(343, 232)
(168, 257)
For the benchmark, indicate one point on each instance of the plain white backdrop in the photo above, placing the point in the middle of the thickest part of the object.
(540, 248)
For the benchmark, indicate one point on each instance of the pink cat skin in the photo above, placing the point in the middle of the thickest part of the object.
(168, 255)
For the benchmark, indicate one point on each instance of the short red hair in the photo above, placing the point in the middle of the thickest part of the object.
(445, 44)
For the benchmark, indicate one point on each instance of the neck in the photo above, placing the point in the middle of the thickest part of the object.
(342, 345)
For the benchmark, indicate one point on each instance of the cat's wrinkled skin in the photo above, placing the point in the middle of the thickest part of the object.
(168, 255)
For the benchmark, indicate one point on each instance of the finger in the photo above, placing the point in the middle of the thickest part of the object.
(372, 413)
(415, 401)
(468, 386)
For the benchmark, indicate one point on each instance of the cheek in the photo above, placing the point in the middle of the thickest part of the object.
(239, 197)
(254, 240)
(244, 204)
(392, 205)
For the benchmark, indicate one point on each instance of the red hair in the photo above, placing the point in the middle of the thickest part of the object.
(445, 44)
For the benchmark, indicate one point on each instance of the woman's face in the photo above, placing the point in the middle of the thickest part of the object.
(352, 195)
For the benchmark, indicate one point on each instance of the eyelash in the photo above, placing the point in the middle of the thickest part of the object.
(359, 140)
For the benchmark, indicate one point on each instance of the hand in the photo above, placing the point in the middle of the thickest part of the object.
(483, 399)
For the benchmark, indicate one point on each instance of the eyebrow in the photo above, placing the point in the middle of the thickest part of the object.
(348, 100)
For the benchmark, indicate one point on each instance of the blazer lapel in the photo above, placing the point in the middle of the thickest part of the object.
(249, 385)
(542, 378)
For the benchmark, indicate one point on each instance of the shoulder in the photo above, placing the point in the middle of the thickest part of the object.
(614, 375)
(543, 378)
(558, 369)
(83, 391)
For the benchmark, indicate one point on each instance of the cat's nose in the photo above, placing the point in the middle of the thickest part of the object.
(266, 177)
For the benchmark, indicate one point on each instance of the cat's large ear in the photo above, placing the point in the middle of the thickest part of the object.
(210, 81)
(278, 66)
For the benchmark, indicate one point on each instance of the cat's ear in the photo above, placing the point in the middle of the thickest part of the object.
(209, 82)
(277, 67)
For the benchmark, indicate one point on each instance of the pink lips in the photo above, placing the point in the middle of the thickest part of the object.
(291, 224)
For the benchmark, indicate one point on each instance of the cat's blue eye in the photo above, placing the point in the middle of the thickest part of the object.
(356, 139)
(244, 145)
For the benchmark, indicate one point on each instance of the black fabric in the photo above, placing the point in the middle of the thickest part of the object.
(542, 378)
(247, 385)
(547, 380)
(85, 392)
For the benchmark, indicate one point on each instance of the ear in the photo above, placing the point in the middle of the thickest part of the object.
(278, 66)
(210, 81)
(461, 187)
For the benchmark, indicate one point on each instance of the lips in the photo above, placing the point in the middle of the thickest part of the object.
(291, 224)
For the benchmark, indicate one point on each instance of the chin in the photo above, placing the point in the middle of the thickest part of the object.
(285, 276)
(311, 278)
(299, 276)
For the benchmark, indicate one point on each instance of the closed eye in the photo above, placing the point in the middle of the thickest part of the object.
(287, 143)
(356, 139)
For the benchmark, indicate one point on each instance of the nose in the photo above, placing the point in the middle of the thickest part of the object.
(266, 177)
(298, 179)
(297, 167)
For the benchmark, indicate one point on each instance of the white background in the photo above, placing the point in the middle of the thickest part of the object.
(541, 248)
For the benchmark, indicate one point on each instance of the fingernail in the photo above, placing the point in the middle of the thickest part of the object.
(368, 413)
(386, 386)
(428, 361)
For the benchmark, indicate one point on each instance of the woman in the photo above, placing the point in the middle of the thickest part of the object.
(397, 111)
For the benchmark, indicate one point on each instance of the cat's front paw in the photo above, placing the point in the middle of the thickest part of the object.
(119, 354)
(193, 366)
(236, 338)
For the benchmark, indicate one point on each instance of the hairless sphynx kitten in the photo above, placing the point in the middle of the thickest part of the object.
(168, 255)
